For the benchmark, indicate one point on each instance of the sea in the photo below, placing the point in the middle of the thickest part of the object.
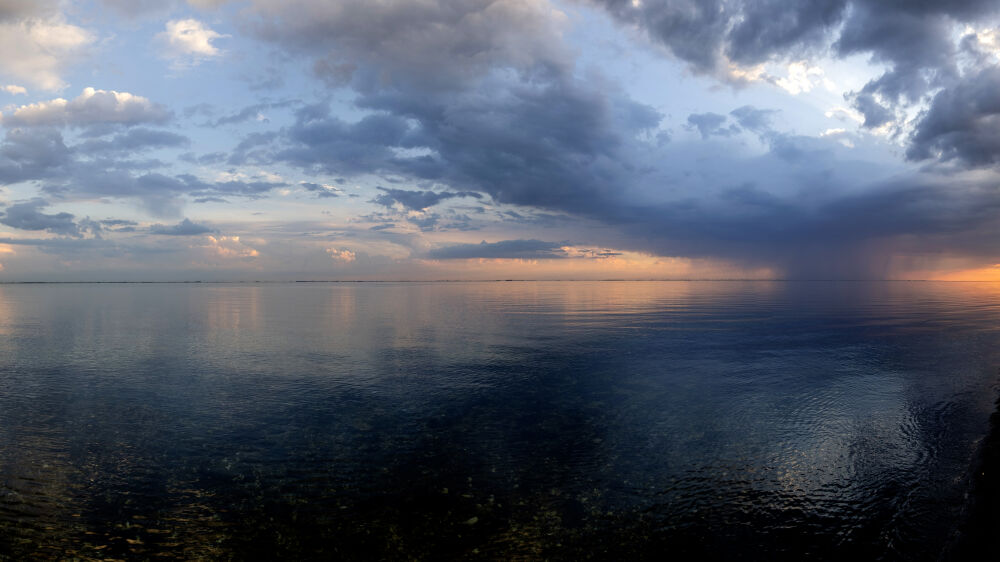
(702, 420)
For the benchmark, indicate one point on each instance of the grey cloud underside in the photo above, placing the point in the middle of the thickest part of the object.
(963, 123)
(18, 9)
(32, 154)
(406, 40)
(111, 133)
(846, 236)
(136, 8)
(183, 228)
(66, 246)
(28, 216)
(745, 118)
(118, 222)
(426, 221)
(709, 124)
(133, 140)
(101, 167)
(811, 234)
(101, 110)
(708, 33)
(546, 142)
(753, 119)
(320, 190)
(204, 159)
(479, 112)
(251, 112)
(506, 249)
(477, 97)
(418, 200)
(914, 39)
(119, 225)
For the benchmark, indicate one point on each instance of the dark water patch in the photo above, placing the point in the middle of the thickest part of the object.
(975, 536)
(556, 421)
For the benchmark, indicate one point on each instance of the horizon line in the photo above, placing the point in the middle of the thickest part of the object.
(610, 280)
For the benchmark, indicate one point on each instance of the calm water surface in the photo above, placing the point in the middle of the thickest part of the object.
(738, 420)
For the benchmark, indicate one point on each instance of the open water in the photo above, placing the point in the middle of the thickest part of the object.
(508, 420)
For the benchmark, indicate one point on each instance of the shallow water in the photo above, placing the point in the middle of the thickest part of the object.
(737, 420)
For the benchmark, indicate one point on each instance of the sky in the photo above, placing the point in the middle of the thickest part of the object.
(499, 139)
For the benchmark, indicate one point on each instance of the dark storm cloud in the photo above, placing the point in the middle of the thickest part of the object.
(705, 34)
(550, 142)
(876, 114)
(327, 143)
(418, 200)
(183, 228)
(963, 123)
(786, 26)
(500, 110)
(913, 38)
(505, 249)
(828, 235)
(28, 216)
(693, 31)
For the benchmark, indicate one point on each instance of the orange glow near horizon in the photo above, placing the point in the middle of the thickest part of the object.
(621, 265)
(944, 268)
(991, 273)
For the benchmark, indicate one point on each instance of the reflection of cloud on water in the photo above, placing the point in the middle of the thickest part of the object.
(516, 416)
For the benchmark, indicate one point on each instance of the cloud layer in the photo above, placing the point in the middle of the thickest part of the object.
(89, 108)
(406, 126)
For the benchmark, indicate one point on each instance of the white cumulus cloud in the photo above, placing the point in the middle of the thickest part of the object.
(36, 50)
(188, 42)
(90, 107)
(13, 89)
